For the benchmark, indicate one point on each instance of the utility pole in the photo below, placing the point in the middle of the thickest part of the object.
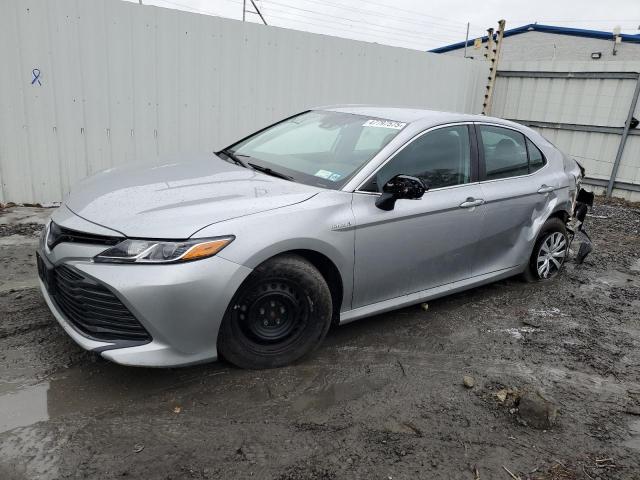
(466, 40)
(493, 55)
(257, 12)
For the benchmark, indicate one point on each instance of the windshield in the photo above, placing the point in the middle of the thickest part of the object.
(318, 148)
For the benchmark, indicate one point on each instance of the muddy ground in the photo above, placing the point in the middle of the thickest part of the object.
(381, 399)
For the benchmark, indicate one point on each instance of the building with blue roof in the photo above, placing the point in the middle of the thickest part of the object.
(548, 42)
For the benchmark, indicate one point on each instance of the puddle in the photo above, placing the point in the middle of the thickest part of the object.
(615, 278)
(85, 389)
(23, 406)
(547, 312)
(517, 333)
(335, 393)
(634, 441)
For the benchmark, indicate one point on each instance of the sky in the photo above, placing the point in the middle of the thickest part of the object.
(420, 25)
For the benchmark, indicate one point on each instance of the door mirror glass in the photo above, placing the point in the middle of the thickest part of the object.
(400, 187)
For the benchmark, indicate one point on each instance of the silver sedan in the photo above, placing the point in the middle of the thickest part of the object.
(326, 217)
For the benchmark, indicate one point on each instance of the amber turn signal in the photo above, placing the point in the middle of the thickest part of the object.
(206, 249)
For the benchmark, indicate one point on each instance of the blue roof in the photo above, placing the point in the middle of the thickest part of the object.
(576, 32)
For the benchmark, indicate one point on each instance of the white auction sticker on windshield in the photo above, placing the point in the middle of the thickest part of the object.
(384, 124)
(327, 175)
(323, 173)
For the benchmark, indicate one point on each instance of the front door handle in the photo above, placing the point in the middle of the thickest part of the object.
(471, 202)
(545, 189)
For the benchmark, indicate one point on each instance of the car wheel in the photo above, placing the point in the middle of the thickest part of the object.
(280, 313)
(549, 252)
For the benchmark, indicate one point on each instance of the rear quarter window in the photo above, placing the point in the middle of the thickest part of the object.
(536, 158)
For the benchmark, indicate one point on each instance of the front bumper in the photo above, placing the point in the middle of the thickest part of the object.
(180, 305)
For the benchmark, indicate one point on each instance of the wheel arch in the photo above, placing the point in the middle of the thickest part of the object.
(560, 213)
(331, 274)
(336, 269)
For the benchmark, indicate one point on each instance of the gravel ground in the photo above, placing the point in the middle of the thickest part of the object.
(381, 399)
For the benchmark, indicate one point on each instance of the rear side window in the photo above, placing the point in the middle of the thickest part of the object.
(536, 159)
(505, 152)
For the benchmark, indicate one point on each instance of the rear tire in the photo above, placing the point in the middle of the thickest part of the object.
(280, 313)
(549, 252)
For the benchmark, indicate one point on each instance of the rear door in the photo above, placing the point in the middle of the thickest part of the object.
(422, 243)
(516, 184)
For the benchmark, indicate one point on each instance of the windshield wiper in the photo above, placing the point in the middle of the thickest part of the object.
(235, 158)
(268, 171)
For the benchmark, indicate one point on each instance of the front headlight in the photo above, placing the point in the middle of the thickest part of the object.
(156, 251)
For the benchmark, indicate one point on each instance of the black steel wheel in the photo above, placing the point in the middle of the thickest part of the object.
(279, 314)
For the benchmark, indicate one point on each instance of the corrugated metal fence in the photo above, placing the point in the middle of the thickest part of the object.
(89, 84)
(583, 108)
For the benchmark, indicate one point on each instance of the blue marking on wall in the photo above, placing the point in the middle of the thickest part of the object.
(36, 76)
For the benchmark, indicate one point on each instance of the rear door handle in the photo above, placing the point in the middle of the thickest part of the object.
(545, 189)
(471, 202)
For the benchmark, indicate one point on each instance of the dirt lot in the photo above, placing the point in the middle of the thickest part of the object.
(381, 399)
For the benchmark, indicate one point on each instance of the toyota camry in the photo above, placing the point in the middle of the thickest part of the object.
(325, 217)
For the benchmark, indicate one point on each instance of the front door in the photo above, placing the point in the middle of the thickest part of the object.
(424, 243)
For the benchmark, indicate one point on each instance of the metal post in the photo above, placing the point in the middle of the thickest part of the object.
(493, 55)
(623, 140)
(244, 9)
(466, 40)
(258, 11)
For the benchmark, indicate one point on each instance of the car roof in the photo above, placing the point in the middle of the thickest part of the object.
(412, 115)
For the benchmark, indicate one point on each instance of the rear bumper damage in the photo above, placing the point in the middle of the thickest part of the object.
(580, 240)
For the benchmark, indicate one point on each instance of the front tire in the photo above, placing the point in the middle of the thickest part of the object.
(280, 313)
(549, 252)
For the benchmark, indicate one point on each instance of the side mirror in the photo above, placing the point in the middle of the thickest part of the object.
(400, 187)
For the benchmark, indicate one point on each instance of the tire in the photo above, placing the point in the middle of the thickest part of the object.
(281, 313)
(552, 237)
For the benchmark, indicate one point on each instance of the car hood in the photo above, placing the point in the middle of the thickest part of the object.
(175, 200)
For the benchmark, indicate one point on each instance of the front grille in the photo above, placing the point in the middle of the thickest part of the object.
(93, 309)
(58, 234)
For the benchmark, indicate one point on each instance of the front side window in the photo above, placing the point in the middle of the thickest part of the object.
(441, 158)
(320, 148)
(505, 152)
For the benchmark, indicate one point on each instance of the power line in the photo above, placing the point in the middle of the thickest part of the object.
(271, 2)
(356, 24)
(395, 36)
(386, 15)
(319, 29)
(400, 34)
(412, 12)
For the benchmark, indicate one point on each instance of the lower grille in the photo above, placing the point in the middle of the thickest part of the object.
(93, 309)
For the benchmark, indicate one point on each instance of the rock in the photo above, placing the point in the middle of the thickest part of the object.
(532, 322)
(501, 395)
(468, 381)
(537, 410)
(394, 426)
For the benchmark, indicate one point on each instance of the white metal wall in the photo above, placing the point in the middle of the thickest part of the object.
(120, 82)
(602, 102)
